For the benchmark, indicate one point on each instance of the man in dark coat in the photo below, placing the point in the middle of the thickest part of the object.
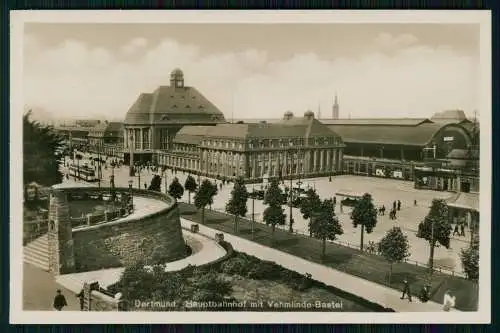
(59, 301)
(406, 290)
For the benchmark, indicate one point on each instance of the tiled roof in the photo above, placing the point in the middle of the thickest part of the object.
(107, 129)
(295, 127)
(173, 105)
(377, 121)
(387, 134)
(191, 134)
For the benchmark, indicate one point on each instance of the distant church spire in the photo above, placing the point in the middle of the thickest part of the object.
(335, 108)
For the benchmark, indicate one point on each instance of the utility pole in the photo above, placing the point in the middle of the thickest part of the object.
(253, 209)
(99, 162)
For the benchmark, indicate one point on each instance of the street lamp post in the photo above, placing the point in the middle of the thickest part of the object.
(253, 209)
(99, 162)
(138, 177)
(290, 192)
(131, 200)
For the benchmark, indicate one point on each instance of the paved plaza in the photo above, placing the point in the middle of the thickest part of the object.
(383, 191)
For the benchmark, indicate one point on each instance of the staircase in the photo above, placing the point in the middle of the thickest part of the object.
(36, 252)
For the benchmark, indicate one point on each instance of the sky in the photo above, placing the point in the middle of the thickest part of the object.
(254, 70)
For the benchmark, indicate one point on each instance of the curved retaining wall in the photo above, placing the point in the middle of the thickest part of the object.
(153, 238)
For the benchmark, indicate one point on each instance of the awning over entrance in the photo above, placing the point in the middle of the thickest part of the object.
(467, 201)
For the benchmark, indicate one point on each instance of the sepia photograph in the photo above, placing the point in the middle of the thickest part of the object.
(307, 166)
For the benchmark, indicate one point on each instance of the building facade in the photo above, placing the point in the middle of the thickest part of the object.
(106, 138)
(294, 147)
(155, 118)
(74, 137)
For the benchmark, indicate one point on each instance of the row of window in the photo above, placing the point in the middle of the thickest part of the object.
(270, 143)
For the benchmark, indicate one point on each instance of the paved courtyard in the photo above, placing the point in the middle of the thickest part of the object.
(383, 191)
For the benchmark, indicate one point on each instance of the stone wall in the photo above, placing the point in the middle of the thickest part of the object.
(102, 302)
(154, 239)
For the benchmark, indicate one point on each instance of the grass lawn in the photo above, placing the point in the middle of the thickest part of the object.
(370, 267)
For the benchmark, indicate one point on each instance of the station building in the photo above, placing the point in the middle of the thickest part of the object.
(155, 118)
(293, 147)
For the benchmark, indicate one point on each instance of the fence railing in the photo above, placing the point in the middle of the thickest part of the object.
(369, 248)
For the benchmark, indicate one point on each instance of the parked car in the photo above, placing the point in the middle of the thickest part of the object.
(349, 202)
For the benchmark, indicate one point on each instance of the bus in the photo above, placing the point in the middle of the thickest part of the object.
(83, 173)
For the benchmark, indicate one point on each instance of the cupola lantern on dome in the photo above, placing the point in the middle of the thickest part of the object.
(177, 78)
(288, 115)
(309, 115)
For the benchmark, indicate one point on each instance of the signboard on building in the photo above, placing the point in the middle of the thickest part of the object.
(448, 138)
(397, 174)
(380, 172)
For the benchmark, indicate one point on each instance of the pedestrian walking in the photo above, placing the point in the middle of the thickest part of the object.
(415, 202)
(406, 290)
(394, 205)
(59, 301)
(455, 231)
(399, 205)
(145, 186)
(462, 230)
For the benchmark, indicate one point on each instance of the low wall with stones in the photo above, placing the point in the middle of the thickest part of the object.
(102, 302)
(156, 238)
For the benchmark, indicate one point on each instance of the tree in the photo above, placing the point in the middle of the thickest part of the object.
(204, 197)
(470, 260)
(364, 214)
(309, 205)
(190, 186)
(237, 204)
(273, 214)
(42, 155)
(175, 189)
(324, 224)
(155, 184)
(435, 228)
(394, 247)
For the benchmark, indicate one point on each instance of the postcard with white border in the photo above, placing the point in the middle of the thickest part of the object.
(250, 167)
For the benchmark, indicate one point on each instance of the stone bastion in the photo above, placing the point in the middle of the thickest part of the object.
(121, 239)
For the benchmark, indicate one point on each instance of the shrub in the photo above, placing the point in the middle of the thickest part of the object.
(235, 266)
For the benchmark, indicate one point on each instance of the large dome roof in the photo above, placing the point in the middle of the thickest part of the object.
(173, 105)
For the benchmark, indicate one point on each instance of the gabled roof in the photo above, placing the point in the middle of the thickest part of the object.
(292, 128)
(377, 121)
(387, 134)
(107, 129)
(191, 134)
(173, 105)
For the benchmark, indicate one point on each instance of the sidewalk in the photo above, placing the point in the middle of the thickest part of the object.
(39, 289)
(373, 292)
(205, 250)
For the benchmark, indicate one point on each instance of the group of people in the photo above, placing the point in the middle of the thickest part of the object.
(425, 295)
(396, 206)
(462, 230)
